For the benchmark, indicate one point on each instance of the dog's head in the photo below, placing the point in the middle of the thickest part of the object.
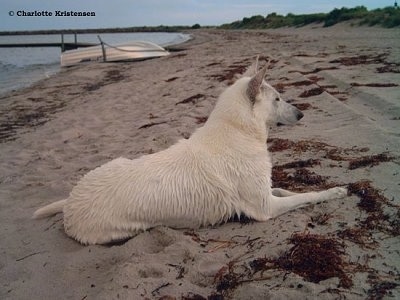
(266, 101)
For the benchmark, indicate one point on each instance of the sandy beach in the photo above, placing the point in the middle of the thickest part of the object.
(345, 80)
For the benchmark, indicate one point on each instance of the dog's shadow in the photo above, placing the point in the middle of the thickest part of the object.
(117, 243)
(242, 219)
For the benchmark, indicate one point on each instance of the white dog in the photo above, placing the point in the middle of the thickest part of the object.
(223, 169)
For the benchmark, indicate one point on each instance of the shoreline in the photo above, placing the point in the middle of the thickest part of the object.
(50, 69)
(344, 79)
(143, 29)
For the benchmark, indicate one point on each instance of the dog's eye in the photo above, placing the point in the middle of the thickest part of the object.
(277, 99)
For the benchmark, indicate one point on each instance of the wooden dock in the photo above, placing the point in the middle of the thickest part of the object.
(63, 45)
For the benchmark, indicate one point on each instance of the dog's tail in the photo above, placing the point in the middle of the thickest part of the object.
(50, 209)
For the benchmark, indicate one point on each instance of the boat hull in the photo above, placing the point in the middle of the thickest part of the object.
(121, 52)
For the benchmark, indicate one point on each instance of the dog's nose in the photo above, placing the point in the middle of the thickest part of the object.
(299, 115)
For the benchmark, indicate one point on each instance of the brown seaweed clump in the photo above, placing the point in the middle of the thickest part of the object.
(373, 203)
(372, 160)
(361, 60)
(312, 92)
(359, 235)
(305, 177)
(370, 198)
(230, 73)
(301, 146)
(303, 106)
(278, 145)
(381, 289)
(315, 258)
(301, 179)
(379, 85)
(280, 87)
(300, 164)
(192, 99)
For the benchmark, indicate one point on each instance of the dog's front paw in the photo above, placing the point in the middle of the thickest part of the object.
(338, 192)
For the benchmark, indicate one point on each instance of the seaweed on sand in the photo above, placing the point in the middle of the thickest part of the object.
(192, 99)
(381, 289)
(300, 164)
(299, 180)
(379, 85)
(360, 60)
(315, 258)
(372, 201)
(230, 73)
(312, 92)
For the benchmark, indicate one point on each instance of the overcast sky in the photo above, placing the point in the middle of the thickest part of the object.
(126, 13)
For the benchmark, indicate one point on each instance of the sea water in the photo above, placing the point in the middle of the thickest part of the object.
(21, 67)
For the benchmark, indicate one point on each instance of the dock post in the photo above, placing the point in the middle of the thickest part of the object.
(103, 49)
(62, 43)
(76, 39)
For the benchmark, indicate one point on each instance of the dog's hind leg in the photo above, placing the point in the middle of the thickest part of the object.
(280, 205)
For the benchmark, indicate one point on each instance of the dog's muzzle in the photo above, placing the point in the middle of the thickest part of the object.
(291, 116)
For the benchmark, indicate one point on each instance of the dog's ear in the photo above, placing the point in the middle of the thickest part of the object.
(252, 70)
(255, 84)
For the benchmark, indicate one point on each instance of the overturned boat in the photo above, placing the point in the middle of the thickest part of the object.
(136, 50)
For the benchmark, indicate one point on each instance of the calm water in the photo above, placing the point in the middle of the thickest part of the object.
(20, 67)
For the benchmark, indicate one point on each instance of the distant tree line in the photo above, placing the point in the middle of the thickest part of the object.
(387, 17)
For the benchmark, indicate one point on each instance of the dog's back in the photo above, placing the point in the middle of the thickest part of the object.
(182, 186)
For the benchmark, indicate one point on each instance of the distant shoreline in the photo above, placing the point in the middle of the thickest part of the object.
(388, 17)
(103, 30)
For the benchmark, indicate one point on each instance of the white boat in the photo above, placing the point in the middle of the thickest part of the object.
(104, 52)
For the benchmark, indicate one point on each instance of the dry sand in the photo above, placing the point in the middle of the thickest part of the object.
(346, 81)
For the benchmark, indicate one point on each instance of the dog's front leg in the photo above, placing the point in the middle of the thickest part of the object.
(280, 205)
(278, 192)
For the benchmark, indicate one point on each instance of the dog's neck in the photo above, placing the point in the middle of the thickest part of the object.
(259, 133)
(231, 127)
